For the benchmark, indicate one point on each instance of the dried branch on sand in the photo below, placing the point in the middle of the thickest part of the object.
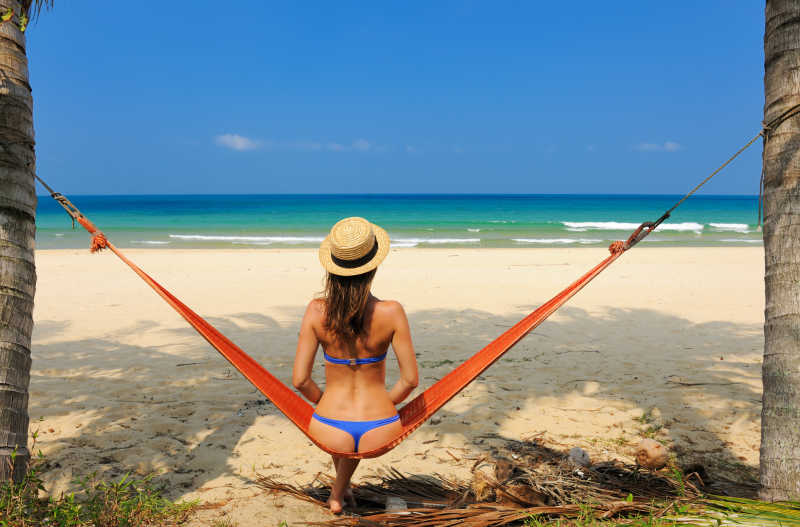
(523, 480)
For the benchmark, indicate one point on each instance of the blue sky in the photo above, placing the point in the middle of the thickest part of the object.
(408, 97)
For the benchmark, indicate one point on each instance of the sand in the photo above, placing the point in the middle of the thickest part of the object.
(667, 342)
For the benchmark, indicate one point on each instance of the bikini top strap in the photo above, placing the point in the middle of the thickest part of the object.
(354, 362)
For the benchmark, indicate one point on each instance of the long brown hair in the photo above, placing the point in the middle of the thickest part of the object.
(346, 299)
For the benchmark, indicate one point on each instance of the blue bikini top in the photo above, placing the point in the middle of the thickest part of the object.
(354, 362)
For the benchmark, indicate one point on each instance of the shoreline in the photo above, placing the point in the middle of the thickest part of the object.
(666, 342)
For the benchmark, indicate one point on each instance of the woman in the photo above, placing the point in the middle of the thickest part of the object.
(355, 413)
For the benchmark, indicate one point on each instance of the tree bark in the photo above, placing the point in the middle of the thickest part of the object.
(17, 229)
(780, 415)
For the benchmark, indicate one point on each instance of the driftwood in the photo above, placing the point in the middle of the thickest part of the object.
(521, 480)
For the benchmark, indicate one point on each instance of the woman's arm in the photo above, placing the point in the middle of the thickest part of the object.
(404, 349)
(307, 344)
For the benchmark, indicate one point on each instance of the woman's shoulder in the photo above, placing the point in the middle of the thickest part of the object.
(316, 309)
(389, 308)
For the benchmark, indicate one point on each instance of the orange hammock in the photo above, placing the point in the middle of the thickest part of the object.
(413, 414)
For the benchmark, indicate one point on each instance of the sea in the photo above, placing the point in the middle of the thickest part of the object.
(412, 220)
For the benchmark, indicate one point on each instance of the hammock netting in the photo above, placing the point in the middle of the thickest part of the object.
(413, 414)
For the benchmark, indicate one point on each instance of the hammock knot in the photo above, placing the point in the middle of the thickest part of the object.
(99, 242)
(616, 247)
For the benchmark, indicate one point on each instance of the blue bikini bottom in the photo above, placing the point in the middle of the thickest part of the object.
(356, 428)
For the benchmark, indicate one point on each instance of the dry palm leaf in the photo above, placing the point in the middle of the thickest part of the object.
(522, 480)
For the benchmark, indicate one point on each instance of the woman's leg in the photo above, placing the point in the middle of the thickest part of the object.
(344, 472)
(348, 493)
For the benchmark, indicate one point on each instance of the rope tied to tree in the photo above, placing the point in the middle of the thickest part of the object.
(99, 240)
(766, 130)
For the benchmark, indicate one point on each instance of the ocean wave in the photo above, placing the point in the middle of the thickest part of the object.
(557, 240)
(271, 239)
(742, 228)
(740, 240)
(474, 230)
(582, 226)
(433, 240)
(150, 242)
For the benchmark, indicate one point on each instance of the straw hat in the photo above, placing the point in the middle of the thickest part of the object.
(354, 246)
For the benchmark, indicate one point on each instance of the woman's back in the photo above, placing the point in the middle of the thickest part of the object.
(356, 390)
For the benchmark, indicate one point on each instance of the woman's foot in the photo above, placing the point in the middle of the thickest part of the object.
(335, 505)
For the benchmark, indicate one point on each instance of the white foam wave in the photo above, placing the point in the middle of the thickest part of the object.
(582, 226)
(474, 230)
(59, 235)
(150, 242)
(403, 245)
(434, 240)
(740, 240)
(731, 227)
(557, 240)
(271, 239)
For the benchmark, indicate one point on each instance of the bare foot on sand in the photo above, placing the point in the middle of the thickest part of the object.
(335, 505)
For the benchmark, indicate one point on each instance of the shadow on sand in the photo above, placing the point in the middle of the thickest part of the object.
(183, 409)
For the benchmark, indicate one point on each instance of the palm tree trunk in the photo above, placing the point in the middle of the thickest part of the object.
(780, 415)
(17, 228)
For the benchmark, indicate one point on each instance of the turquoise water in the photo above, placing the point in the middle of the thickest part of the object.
(230, 221)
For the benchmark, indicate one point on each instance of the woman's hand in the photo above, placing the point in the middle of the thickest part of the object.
(307, 344)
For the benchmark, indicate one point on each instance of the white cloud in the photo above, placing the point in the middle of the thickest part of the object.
(335, 147)
(362, 145)
(359, 145)
(667, 146)
(241, 143)
(237, 142)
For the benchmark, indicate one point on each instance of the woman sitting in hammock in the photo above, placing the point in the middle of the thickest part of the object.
(355, 413)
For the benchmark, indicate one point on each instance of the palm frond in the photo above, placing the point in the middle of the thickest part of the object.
(525, 480)
(531, 483)
(33, 8)
(743, 511)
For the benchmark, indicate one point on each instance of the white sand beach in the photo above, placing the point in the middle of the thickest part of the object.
(120, 383)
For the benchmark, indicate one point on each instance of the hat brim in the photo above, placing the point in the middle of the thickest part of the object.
(381, 238)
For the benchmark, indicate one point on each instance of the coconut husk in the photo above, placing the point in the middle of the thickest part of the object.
(651, 454)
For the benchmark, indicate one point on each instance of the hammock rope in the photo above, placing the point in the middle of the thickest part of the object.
(421, 408)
